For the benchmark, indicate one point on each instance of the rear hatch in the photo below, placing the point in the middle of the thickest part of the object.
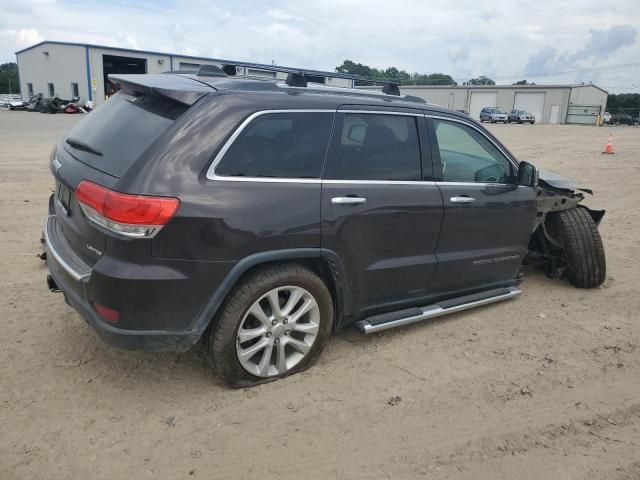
(107, 142)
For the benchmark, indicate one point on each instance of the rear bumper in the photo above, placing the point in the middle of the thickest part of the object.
(72, 277)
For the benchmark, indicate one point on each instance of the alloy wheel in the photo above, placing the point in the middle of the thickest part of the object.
(277, 331)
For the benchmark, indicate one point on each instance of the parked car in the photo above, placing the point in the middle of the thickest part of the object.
(493, 115)
(521, 116)
(261, 216)
(12, 104)
(621, 119)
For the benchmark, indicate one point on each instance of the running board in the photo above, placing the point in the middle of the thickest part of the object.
(378, 323)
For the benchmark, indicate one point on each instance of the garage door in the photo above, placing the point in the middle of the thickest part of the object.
(479, 100)
(531, 102)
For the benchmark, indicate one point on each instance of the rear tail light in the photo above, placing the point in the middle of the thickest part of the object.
(129, 215)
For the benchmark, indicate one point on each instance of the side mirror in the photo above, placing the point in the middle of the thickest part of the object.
(527, 174)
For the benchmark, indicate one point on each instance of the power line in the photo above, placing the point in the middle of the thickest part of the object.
(569, 72)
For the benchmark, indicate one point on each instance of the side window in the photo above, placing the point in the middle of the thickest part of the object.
(282, 145)
(468, 156)
(378, 147)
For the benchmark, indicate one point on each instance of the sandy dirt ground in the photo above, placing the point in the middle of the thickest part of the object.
(543, 387)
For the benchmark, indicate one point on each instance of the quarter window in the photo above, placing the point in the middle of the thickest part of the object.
(281, 145)
(468, 156)
(378, 147)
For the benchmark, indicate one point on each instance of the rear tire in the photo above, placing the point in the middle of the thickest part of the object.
(583, 247)
(223, 348)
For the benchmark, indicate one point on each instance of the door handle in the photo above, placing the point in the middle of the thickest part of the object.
(348, 200)
(462, 199)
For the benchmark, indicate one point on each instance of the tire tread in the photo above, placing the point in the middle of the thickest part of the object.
(583, 247)
(220, 350)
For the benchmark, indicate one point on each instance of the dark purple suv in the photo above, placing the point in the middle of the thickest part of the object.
(262, 215)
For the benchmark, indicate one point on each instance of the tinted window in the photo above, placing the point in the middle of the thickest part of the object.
(282, 145)
(121, 129)
(468, 156)
(378, 147)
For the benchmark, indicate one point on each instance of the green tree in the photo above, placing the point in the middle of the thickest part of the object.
(628, 103)
(393, 73)
(523, 82)
(481, 80)
(9, 78)
(432, 79)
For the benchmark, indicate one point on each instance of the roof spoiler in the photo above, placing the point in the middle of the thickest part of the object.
(179, 89)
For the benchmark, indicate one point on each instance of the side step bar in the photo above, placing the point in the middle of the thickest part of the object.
(400, 318)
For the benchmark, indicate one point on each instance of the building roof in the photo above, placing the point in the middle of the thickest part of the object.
(148, 52)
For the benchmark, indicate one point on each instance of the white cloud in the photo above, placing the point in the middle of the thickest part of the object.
(23, 37)
(464, 38)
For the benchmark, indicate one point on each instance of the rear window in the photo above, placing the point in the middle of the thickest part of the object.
(113, 136)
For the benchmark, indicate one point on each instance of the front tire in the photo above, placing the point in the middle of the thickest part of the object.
(274, 324)
(582, 246)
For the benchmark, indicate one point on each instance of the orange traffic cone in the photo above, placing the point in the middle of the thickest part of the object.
(609, 148)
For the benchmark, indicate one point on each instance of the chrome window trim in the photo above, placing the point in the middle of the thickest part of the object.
(378, 182)
(382, 112)
(481, 184)
(211, 172)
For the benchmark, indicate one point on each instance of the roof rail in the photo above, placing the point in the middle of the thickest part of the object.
(299, 77)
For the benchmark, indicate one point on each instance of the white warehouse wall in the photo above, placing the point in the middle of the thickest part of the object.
(155, 64)
(589, 95)
(459, 97)
(53, 63)
(65, 64)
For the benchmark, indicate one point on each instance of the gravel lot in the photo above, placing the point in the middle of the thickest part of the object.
(545, 386)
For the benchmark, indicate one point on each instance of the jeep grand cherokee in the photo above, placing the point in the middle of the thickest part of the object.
(260, 216)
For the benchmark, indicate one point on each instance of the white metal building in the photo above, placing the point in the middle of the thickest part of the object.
(80, 70)
(549, 103)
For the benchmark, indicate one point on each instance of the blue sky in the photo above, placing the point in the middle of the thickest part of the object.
(565, 41)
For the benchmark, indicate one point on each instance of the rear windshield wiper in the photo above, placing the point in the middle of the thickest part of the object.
(78, 145)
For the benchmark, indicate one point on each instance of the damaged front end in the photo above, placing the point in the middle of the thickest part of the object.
(554, 194)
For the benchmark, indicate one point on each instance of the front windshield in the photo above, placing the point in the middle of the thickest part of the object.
(497, 110)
